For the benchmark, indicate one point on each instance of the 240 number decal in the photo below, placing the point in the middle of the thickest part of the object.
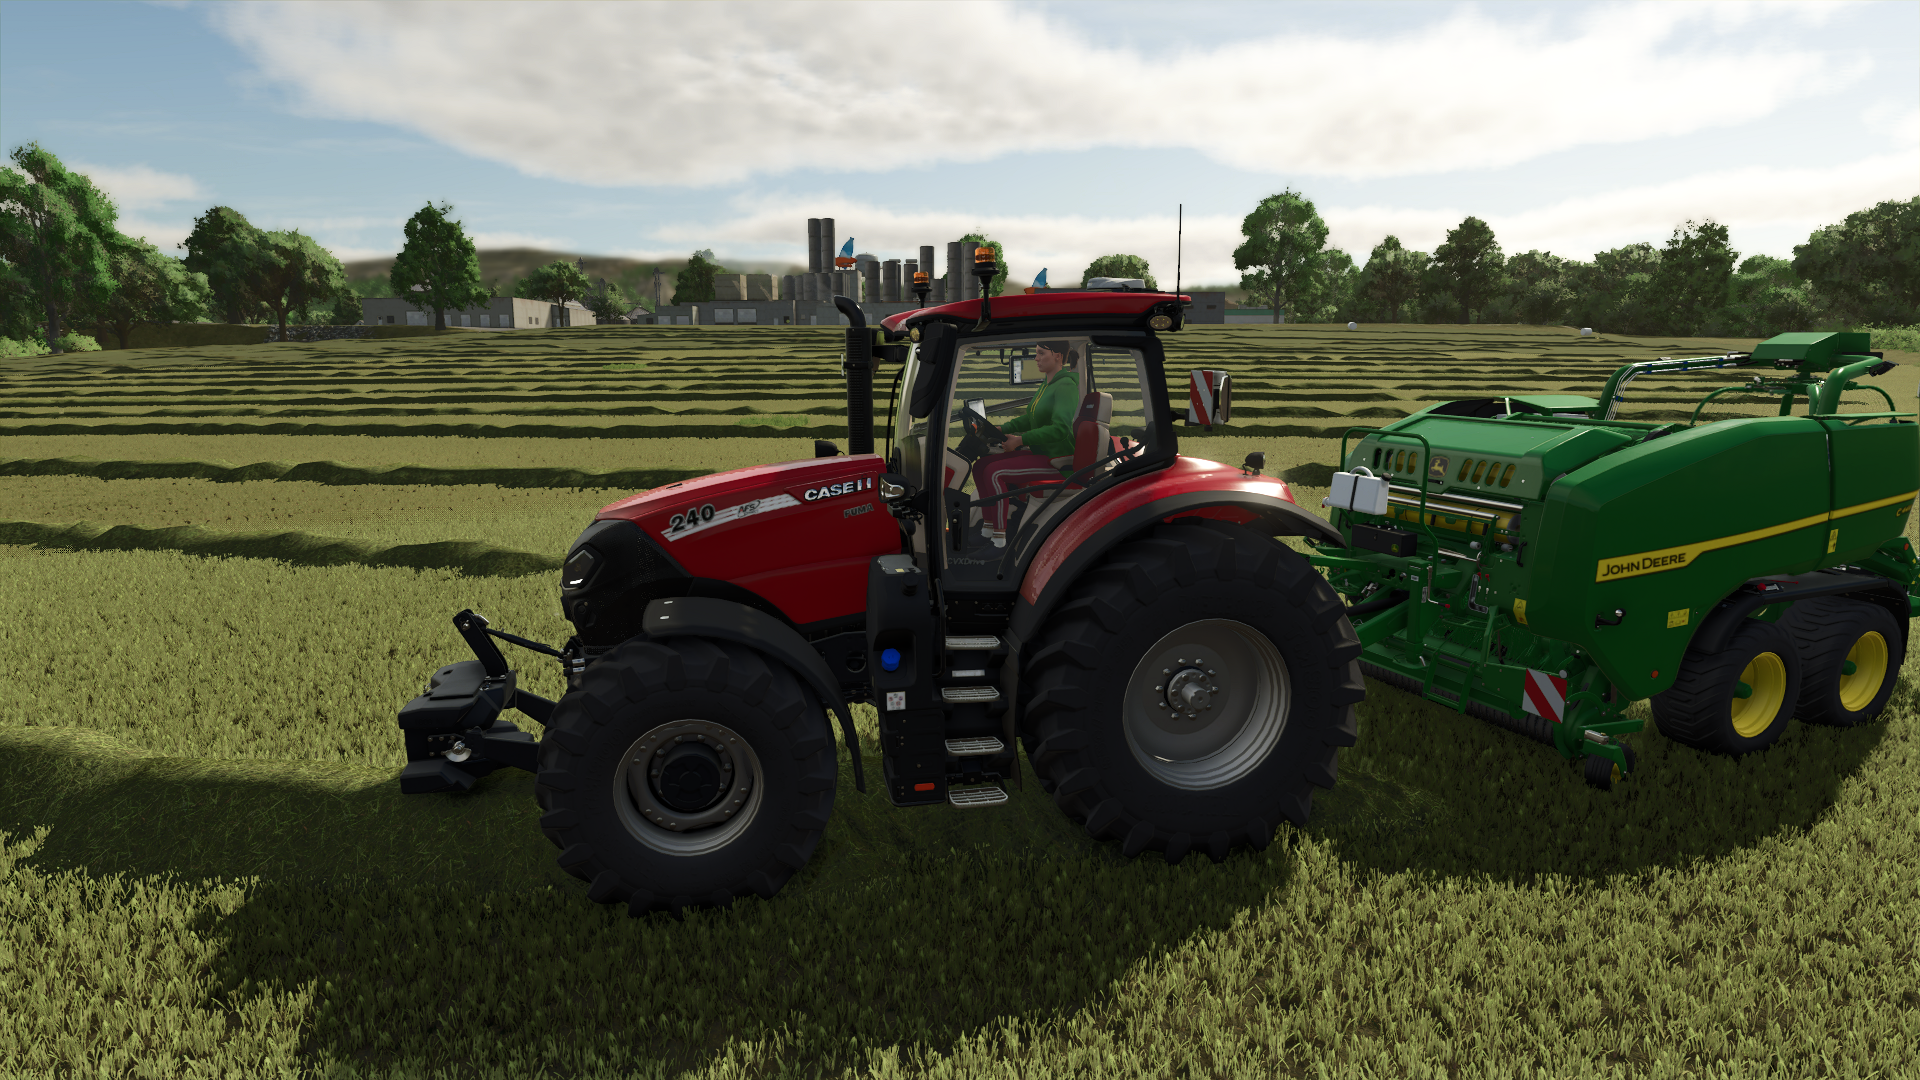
(692, 519)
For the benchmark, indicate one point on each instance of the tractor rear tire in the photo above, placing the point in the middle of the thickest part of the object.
(1253, 630)
(1831, 633)
(749, 770)
(1703, 708)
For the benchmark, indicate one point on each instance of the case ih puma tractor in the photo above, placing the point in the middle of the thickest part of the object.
(1179, 680)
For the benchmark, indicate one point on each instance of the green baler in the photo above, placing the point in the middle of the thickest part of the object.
(1539, 563)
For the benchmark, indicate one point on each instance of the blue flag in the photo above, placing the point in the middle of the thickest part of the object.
(1040, 281)
(846, 249)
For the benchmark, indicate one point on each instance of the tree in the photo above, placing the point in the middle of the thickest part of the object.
(1613, 292)
(692, 285)
(438, 267)
(608, 303)
(1689, 286)
(1537, 291)
(55, 230)
(1765, 297)
(1392, 275)
(561, 282)
(999, 282)
(1119, 266)
(150, 287)
(297, 274)
(1868, 266)
(1469, 264)
(232, 254)
(1282, 256)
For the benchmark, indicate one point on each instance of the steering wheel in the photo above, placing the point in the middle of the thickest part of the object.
(981, 428)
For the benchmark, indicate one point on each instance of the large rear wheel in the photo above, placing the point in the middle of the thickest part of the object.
(1737, 700)
(1191, 691)
(1850, 657)
(685, 772)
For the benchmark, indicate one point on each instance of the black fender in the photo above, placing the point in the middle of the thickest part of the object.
(1718, 627)
(727, 620)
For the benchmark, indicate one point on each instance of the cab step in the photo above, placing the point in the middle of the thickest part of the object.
(972, 642)
(974, 747)
(960, 694)
(969, 797)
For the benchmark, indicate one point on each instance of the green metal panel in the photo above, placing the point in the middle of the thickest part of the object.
(1815, 352)
(1538, 451)
(1876, 469)
(1666, 529)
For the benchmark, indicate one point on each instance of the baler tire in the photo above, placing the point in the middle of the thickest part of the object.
(1698, 709)
(1190, 574)
(1829, 631)
(604, 833)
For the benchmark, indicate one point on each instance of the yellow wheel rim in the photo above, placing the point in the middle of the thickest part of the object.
(1767, 675)
(1869, 659)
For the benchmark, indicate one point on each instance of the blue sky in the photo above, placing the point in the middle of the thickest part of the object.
(1066, 130)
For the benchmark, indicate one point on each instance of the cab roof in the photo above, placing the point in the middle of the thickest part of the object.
(1047, 305)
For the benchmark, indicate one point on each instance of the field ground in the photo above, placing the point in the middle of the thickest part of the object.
(206, 867)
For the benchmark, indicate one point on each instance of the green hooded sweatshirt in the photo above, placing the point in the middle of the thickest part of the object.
(1047, 423)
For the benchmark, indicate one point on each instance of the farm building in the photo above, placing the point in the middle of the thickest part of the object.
(501, 313)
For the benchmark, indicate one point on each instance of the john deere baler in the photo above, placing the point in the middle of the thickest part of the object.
(1539, 563)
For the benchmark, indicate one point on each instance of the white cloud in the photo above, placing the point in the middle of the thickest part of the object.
(138, 187)
(682, 93)
(1776, 201)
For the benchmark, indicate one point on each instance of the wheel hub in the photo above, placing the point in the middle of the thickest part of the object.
(1189, 691)
(687, 786)
(691, 775)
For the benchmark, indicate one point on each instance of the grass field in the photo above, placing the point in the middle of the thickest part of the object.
(206, 868)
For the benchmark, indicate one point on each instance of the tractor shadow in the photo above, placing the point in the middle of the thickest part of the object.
(424, 929)
(1442, 793)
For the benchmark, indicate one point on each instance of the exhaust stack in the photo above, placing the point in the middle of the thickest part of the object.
(859, 371)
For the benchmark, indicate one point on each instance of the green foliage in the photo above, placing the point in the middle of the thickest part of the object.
(232, 254)
(1282, 255)
(1468, 266)
(296, 275)
(1391, 279)
(1119, 266)
(1690, 284)
(56, 229)
(608, 303)
(1904, 338)
(999, 283)
(694, 283)
(1868, 266)
(150, 286)
(20, 348)
(438, 267)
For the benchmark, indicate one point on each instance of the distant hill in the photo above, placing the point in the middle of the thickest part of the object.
(498, 267)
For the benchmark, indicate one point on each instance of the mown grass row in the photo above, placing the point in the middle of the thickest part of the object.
(230, 883)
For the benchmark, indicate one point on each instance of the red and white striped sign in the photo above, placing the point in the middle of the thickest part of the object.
(1546, 695)
(1209, 397)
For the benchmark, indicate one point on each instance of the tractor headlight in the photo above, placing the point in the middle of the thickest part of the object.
(579, 567)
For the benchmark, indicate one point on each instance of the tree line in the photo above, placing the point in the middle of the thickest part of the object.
(1861, 271)
(65, 266)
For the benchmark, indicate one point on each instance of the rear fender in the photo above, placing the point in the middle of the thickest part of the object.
(1221, 493)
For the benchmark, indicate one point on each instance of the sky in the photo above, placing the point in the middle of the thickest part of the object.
(1063, 130)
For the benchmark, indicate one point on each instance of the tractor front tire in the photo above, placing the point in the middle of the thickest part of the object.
(1191, 691)
(1737, 700)
(685, 773)
(1850, 657)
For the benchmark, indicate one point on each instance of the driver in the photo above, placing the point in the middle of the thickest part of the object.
(1040, 433)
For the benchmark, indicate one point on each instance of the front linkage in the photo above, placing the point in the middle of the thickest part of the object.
(454, 731)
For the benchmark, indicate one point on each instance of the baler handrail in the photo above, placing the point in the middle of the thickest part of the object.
(1611, 396)
(1426, 463)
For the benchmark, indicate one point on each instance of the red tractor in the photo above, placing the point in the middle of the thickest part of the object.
(1179, 679)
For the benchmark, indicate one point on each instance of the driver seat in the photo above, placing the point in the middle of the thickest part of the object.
(1091, 439)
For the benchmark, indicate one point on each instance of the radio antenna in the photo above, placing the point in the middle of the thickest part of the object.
(1179, 235)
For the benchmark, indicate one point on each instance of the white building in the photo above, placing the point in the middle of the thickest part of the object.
(500, 313)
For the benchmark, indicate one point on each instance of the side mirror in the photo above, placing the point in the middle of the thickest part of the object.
(1209, 397)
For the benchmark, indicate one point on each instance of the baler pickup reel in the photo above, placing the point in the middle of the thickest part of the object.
(454, 731)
